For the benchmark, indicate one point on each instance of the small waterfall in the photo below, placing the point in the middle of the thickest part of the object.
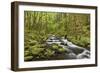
(75, 51)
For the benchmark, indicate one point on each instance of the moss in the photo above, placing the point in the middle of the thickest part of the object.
(36, 49)
(61, 50)
(28, 58)
(49, 52)
(26, 53)
(33, 42)
(27, 47)
(55, 46)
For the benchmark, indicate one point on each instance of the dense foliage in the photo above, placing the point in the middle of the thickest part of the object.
(38, 26)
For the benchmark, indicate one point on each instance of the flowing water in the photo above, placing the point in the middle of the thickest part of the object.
(75, 51)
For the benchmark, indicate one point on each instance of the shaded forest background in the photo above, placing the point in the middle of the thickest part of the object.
(38, 26)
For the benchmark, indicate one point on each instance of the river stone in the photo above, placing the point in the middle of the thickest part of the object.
(85, 54)
(71, 56)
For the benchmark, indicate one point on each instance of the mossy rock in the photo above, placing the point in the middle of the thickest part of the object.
(54, 46)
(28, 58)
(49, 52)
(36, 49)
(26, 53)
(27, 47)
(33, 42)
(61, 50)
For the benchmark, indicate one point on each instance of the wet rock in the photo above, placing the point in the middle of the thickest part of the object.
(85, 54)
(71, 56)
